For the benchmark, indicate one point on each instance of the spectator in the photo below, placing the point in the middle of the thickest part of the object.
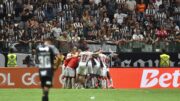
(24, 42)
(137, 39)
(108, 35)
(157, 4)
(115, 30)
(96, 20)
(176, 28)
(2, 13)
(18, 8)
(177, 32)
(137, 36)
(78, 26)
(82, 44)
(111, 8)
(64, 37)
(131, 5)
(75, 39)
(161, 33)
(28, 6)
(121, 3)
(149, 39)
(150, 11)
(124, 32)
(59, 6)
(176, 14)
(9, 4)
(39, 14)
(105, 19)
(86, 22)
(62, 21)
(26, 15)
(119, 17)
(56, 30)
(79, 7)
(97, 2)
(140, 10)
(49, 10)
(160, 17)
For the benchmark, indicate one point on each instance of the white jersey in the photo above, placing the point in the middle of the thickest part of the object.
(103, 71)
(85, 56)
(85, 65)
(103, 59)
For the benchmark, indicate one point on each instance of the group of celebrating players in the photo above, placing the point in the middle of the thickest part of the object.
(81, 69)
(86, 69)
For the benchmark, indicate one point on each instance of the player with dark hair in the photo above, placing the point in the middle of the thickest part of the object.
(47, 57)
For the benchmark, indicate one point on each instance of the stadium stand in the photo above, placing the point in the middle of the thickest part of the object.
(24, 23)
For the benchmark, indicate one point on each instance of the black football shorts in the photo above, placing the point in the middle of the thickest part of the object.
(46, 81)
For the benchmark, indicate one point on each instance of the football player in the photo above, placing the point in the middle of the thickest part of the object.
(70, 66)
(103, 70)
(45, 59)
(84, 66)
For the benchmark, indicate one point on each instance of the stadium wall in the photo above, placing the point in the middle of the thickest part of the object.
(145, 77)
(146, 59)
(122, 78)
(25, 78)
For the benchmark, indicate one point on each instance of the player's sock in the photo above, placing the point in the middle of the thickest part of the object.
(111, 82)
(93, 83)
(68, 82)
(86, 83)
(65, 83)
(73, 82)
(103, 83)
(100, 82)
(45, 96)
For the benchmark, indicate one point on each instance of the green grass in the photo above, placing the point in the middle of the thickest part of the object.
(87, 94)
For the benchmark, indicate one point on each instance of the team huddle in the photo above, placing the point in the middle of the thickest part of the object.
(81, 69)
(86, 69)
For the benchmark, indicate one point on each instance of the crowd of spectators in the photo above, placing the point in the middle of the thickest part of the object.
(27, 22)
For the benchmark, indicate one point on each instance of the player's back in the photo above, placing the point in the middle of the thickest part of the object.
(103, 59)
(84, 57)
(45, 57)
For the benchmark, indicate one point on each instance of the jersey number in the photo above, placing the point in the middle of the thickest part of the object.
(44, 62)
(84, 58)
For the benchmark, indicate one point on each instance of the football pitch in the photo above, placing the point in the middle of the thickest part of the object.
(92, 95)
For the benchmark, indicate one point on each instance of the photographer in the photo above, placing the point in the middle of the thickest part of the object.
(30, 59)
